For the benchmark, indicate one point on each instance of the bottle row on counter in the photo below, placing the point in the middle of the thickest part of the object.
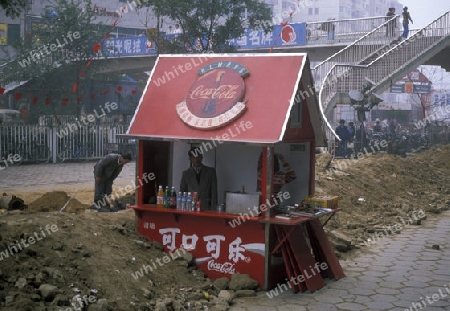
(184, 201)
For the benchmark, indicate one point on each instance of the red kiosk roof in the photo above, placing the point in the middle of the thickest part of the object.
(190, 97)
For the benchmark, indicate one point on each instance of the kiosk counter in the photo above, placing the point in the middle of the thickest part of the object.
(250, 115)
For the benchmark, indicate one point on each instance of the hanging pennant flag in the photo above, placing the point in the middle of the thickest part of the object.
(97, 47)
(64, 102)
(18, 96)
(133, 92)
(74, 87)
(105, 92)
(34, 101)
(79, 98)
(48, 101)
(2, 90)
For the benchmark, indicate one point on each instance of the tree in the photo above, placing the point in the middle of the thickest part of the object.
(13, 8)
(54, 59)
(208, 25)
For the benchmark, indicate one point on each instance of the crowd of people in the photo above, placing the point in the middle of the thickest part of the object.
(359, 135)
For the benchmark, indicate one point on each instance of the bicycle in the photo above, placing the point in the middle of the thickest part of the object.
(81, 153)
(38, 153)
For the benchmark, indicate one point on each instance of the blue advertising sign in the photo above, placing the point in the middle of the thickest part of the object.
(129, 46)
(398, 88)
(417, 88)
(422, 88)
(294, 34)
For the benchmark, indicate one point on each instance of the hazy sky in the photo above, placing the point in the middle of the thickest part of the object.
(424, 12)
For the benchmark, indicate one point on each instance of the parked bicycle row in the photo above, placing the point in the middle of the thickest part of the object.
(36, 144)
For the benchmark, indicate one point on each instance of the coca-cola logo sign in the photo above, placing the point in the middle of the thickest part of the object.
(226, 267)
(215, 98)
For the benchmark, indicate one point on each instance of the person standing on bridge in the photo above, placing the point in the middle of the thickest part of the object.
(390, 27)
(406, 19)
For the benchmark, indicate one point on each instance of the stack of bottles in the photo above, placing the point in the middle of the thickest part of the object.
(185, 201)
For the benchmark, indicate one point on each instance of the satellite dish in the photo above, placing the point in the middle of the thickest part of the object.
(375, 98)
(355, 96)
(367, 85)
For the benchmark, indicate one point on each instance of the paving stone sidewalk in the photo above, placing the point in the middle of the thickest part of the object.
(401, 272)
(55, 175)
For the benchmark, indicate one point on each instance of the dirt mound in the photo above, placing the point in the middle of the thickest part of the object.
(382, 190)
(99, 257)
(54, 201)
(54, 259)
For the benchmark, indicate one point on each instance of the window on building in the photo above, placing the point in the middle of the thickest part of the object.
(316, 11)
(13, 35)
(310, 11)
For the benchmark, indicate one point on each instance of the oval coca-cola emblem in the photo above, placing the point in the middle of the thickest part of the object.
(215, 98)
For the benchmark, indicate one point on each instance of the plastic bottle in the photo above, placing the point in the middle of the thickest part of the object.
(166, 197)
(179, 198)
(189, 201)
(173, 198)
(194, 201)
(183, 201)
(160, 197)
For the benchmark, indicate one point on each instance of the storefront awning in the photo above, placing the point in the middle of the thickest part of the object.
(227, 97)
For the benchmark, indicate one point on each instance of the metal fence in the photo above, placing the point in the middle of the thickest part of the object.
(68, 142)
(424, 137)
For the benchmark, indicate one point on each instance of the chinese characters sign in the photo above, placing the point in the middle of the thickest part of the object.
(218, 249)
(293, 34)
(129, 46)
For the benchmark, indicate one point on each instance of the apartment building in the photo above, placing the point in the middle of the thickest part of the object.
(320, 10)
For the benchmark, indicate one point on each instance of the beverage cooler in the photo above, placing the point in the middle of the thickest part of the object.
(251, 116)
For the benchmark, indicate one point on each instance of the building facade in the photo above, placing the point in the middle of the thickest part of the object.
(322, 10)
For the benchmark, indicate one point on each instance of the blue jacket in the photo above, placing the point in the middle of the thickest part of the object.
(343, 132)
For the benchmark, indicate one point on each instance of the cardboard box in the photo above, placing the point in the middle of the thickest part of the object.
(323, 200)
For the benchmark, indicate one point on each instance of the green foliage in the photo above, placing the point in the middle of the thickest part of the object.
(54, 58)
(215, 21)
(13, 8)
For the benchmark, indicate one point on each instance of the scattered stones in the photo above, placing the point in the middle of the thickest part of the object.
(226, 296)
(21, 283)
(221, 283)
(48, 292)
(242, 281)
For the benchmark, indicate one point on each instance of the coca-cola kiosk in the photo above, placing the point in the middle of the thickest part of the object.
(234, 107)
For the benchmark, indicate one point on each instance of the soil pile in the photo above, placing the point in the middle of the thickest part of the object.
(94, 261)
(59, 261)
(383, 190)
(55, 201)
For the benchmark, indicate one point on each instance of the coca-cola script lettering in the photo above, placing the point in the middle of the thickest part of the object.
(221, 92)
(226, 267)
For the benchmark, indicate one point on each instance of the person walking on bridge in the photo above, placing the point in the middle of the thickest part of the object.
(406, 18)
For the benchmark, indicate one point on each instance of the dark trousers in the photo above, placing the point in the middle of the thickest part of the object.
(102, 189)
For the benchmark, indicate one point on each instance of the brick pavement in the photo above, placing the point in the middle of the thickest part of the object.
(393, 274)
(397, 272)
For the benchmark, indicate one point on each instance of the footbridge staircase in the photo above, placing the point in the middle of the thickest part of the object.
(381, 58)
